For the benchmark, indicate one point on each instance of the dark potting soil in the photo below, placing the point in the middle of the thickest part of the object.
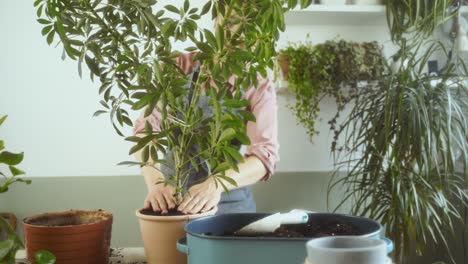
(309, 230)
(171, 212)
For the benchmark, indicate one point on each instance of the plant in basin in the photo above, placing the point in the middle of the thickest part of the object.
(128, 47)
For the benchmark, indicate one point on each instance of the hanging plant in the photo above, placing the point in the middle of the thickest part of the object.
(315, 72)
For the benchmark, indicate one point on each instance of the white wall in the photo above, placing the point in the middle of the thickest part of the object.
(50, 108)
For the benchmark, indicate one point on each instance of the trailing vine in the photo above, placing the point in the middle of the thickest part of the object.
(334, 69)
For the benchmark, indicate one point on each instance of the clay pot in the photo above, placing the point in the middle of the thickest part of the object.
(161, 233)
(283, 61)
(72, 236)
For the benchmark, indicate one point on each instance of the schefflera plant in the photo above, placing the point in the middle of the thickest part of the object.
(128, 47)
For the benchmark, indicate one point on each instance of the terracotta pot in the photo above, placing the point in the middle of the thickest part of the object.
(283, 61)
(161, 233)
(72, 236)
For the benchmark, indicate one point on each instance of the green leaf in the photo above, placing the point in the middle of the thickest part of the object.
(234, 153)
(44, 21)
(15, 171)
(222, 167)
(206, 8)
(92, 65)
(247, 115)
(236, 103)
(9, 158)
(44, 257)
(2, 144)
(5, 247)
(227, 134)
(130, 163)
(228, 179)
(99, 112)
(2, 119)
(243, 138)
(23, 180)
(145, 154)
(46, 30)
(50, 37)
(172, 9)
(37, 2)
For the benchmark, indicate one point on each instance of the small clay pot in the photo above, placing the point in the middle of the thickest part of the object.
(72, 236)
(283, 61)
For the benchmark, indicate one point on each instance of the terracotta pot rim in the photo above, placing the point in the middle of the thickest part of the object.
(173, 218)
(108, 215)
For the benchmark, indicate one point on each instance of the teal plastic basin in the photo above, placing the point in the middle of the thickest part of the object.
(206, 244)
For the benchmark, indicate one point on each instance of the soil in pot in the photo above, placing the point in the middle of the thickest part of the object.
(171, 212)
(309, 230)
(68, 218)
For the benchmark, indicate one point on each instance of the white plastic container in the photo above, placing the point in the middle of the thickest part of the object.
(347, 250)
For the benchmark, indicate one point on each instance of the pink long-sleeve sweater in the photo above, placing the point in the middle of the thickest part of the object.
(263, 133)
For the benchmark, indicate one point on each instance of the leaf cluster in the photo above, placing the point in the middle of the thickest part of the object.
(418, 17)
(128, 47)
(316, 71)
(12, 244)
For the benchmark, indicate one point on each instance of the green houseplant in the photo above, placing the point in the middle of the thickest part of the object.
(128, 47)
(402, 140)
(334, 68)
(13, 243)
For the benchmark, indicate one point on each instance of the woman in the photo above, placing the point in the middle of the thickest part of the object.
(260, 161)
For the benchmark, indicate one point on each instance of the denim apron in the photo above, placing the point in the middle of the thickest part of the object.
(240, 200)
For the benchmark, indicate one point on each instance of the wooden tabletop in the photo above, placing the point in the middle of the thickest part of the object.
(117, 256)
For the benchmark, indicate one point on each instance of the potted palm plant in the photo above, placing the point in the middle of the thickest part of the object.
(402, 141)
(128, 47)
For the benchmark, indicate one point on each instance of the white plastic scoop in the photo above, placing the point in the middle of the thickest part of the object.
(272, 222)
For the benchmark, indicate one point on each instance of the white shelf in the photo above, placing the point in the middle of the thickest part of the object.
(342, 15)
(338, 15)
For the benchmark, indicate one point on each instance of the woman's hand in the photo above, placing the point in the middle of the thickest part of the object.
(201, 198)
(160, 198)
